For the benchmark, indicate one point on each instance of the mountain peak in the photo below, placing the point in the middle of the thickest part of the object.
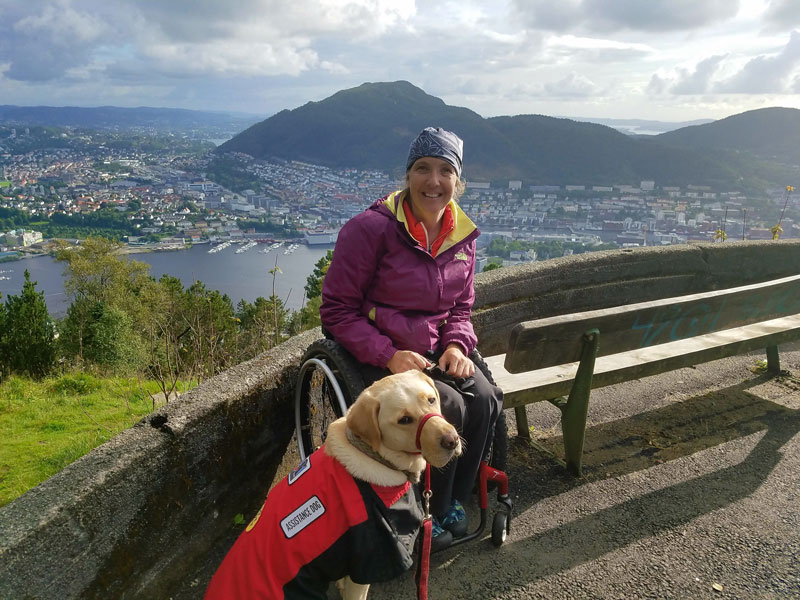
(370, 126)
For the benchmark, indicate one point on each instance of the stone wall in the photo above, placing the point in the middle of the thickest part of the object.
(133, 517)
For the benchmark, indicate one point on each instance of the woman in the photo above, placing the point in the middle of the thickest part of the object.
(398, 296)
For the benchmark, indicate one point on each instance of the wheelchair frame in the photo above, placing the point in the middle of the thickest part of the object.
(321, 363)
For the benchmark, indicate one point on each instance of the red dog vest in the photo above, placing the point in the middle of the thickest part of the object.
(316, 526)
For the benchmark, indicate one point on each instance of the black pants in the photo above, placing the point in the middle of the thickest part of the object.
(474, 418)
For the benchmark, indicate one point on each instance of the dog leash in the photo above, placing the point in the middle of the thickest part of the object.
(427, 535)
(427, 521)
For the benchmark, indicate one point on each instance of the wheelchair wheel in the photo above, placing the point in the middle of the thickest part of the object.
(328, 382)
(498, 455)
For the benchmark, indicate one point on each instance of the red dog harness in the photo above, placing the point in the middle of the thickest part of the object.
(316, 526)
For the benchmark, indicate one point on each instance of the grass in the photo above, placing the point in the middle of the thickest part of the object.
(46, 425)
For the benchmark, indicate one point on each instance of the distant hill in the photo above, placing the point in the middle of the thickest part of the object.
(772, 134)
(642, 126)
(114, 117)
(371, 126)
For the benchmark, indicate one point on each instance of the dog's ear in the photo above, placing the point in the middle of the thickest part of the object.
(362, 418)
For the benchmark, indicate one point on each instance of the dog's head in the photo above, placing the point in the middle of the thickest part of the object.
(387, 415)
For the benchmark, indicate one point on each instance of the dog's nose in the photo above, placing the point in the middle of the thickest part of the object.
(449, 440)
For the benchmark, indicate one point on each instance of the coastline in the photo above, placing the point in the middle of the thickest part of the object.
(241, 276)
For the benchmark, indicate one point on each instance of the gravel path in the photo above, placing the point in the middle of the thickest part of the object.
(690, 491)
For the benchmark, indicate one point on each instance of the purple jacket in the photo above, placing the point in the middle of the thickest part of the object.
(383, 292)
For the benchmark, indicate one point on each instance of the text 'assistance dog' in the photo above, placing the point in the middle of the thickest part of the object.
(349, 512)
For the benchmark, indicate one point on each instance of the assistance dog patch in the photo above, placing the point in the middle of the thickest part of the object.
(311, 510)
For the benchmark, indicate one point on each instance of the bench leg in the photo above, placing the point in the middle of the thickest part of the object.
(523, 430)
(773, 360)
(573, 416)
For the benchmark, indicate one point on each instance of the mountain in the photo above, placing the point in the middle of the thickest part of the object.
(114, 117)
(642, 126)
(770, 134)
(371, 126)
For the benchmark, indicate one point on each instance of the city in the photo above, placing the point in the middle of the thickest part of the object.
(170, 198)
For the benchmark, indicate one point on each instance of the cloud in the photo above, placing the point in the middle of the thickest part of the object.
(595, 50)
(42, 45)
(616, 15)
(762, 74)
(573, 85)
(766, 74)
(783, 14)
(698, 81)
(187, 37)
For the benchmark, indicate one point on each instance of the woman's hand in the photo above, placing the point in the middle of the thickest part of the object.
(454, 362)
(406, 360)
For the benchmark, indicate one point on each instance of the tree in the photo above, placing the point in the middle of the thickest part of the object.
(314, 282)
(111, 341)
(211, 329)
(3, 322)
(27, 336)
(308, 316)
(491, 267)
(257, 325)
(103, 286)
(166, 335)
(97, 273)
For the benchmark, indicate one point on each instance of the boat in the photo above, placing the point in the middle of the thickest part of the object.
(219, 247)
(246, 247)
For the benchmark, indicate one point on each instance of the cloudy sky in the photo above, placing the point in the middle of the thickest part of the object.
(669, 60)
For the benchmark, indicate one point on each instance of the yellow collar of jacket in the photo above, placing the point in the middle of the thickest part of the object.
(463, 225)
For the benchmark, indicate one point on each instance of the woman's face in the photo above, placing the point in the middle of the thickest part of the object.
(431, 183)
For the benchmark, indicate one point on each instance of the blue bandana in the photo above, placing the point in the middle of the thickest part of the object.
(439, 143)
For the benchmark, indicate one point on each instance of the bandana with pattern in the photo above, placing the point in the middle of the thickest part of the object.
(439, 143)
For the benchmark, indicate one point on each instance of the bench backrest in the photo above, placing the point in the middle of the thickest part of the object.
(557, 340)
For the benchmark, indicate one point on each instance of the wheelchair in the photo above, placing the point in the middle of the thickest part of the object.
(329, 381)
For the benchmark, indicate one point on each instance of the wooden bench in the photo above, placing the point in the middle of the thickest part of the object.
(569, 355)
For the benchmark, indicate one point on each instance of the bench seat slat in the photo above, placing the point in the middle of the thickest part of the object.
(551, 382)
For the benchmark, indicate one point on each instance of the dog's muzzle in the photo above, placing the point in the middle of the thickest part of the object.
(422, 422)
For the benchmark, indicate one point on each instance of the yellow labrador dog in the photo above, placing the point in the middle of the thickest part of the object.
(349, 513)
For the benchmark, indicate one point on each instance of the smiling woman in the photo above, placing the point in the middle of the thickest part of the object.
(398, 296)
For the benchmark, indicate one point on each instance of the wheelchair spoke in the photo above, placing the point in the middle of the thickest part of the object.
(320, 408)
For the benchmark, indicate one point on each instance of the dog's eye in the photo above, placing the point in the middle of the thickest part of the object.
(431, 400)
(405, 420)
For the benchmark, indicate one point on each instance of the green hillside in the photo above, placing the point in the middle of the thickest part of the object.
(371, 126)
(770, 134)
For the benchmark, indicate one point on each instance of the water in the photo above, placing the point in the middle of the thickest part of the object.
(240, 276)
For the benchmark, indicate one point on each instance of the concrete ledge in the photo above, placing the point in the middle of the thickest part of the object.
(133, 517)
(504, 297)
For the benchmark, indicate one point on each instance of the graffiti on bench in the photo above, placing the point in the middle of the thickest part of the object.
(678, 322)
